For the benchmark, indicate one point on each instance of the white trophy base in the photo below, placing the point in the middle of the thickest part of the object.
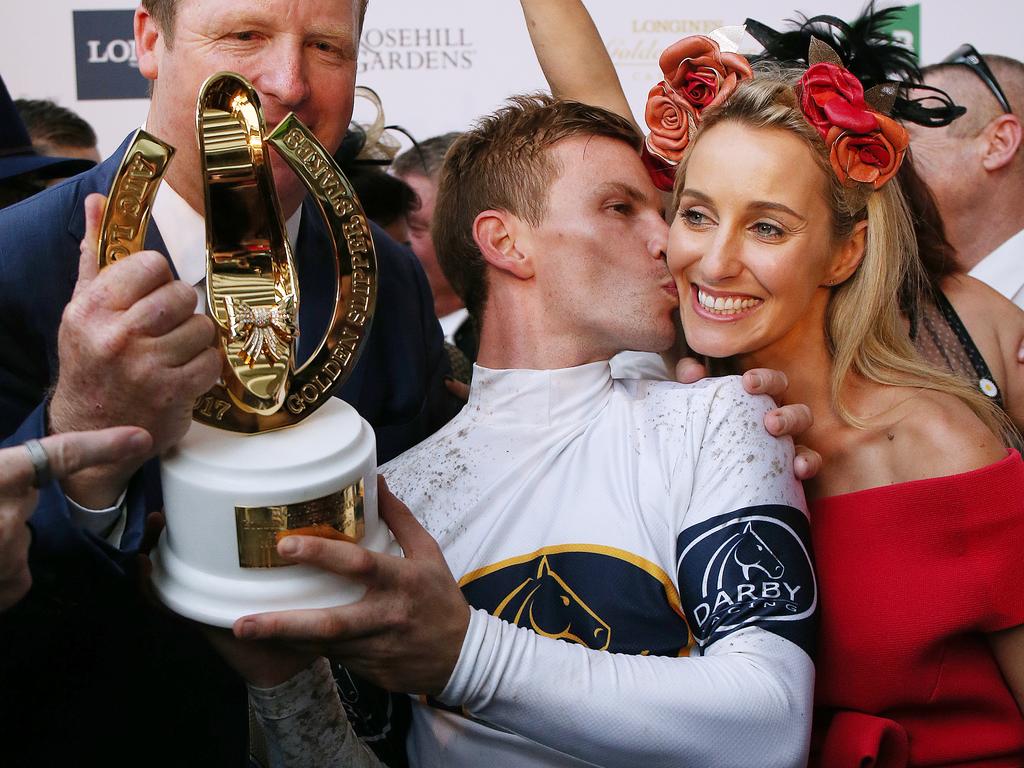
(211, 472)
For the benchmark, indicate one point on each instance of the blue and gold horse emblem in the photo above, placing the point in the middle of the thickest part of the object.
(549, 606)
(599, 597)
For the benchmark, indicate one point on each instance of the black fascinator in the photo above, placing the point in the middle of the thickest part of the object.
(870, 51)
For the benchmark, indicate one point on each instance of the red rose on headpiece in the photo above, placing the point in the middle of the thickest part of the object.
(831, 96)
(871, 158)
(661, 171)
(697, 69)
(669, 118)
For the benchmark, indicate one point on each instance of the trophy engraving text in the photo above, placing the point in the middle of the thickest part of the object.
(212, 408)
(126, 216)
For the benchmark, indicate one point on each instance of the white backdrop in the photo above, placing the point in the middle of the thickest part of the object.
(437, 64)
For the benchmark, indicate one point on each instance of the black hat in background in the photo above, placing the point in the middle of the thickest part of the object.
(17, 157)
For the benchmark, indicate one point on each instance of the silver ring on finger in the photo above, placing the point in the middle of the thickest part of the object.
(40, 463)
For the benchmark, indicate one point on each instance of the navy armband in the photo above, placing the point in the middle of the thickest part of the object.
(749, 568)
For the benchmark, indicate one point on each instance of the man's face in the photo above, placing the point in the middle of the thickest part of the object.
(944, 157)
(300, 57)
(599, 255)
(420, 241)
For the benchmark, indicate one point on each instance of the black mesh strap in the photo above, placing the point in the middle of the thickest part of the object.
(986, 381)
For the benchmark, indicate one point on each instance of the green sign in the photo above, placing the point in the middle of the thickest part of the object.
(906, 27)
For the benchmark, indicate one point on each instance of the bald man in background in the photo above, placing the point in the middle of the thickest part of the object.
(975, 167)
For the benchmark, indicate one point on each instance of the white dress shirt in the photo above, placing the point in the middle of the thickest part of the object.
(1003, 269)
(184, 232)
(451, 322)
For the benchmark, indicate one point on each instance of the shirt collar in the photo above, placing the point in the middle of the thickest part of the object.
(513, 397)
(451, 322)
(1003, 269)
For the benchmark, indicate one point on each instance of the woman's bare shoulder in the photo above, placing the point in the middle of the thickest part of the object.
(974, 300)
(996, 326)
(941, 436)
(915, 434)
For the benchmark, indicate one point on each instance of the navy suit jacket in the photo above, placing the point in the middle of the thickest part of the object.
(117, 663)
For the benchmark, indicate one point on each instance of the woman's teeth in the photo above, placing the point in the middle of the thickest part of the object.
(725, 306)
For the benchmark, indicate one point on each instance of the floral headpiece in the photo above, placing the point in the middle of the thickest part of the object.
(866, 146)
(698, 74)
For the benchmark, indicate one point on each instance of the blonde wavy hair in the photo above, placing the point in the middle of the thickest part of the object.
(863, 326)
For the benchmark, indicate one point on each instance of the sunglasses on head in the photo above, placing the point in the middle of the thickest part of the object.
(968, 56)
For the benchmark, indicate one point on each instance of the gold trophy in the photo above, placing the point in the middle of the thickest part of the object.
(247, 472)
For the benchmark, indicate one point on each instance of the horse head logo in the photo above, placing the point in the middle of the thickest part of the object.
(748, 552)
(548, 606)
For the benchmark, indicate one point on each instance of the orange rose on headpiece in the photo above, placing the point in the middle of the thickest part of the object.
(870, 158)
(669, 118)
(696, 69)
(697, 75)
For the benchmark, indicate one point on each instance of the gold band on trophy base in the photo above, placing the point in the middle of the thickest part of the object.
(126, 216)
(336, 516)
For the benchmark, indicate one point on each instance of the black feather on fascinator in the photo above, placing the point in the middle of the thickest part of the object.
(870, 51)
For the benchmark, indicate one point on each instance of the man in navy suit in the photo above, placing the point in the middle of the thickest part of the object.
(79, 350)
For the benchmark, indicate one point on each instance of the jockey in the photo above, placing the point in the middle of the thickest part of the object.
(634, 554)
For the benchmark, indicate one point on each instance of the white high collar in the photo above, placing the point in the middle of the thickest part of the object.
(516, 396)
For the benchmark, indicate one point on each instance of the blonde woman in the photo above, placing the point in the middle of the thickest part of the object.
(788, 247)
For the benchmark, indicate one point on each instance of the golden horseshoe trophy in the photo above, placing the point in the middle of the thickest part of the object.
(248, 472)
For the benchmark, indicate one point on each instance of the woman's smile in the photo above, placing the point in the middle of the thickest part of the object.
(721, 306)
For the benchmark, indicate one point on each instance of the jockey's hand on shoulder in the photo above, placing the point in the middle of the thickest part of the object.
(792, 420)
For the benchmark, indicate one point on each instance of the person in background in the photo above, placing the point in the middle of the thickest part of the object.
(975, 166)
(24, 171)
(363, 156)
(419, 167)
(57, 131)
(387, 201)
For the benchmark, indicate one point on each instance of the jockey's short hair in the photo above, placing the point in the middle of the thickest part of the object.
(504, 163)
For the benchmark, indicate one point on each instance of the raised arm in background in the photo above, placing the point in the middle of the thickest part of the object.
(573, 56)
